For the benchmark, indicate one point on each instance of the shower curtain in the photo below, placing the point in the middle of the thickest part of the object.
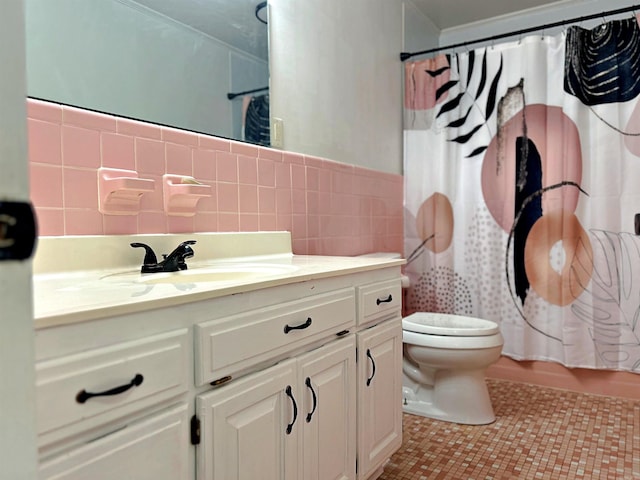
(522, 180)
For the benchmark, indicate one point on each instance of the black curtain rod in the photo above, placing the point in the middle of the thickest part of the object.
(231, 96)
(406, 55)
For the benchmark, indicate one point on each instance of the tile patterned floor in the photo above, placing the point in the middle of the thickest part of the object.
(539, 433)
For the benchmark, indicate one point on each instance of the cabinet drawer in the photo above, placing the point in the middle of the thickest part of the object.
(232, 344)
(139, 374)
(156, 448)
(379, 299)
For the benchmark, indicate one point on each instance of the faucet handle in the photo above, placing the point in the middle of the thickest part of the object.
(149, 256)
(185, 250)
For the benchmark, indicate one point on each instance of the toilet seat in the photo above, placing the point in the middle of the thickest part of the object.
(449, 325)
(452, 342)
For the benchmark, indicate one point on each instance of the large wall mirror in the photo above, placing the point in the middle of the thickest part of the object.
(171, 62)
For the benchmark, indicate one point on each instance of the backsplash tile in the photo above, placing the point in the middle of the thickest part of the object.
(88, 119)
(179, 161)
(47, 111)
(149, 156)
(204, 164)
(180, 137)
(50, 221)
(118, 151)
(80, 147)
(45, 142)
(46, 186)
(330, 208)
(81, 221)
(80, 188)
(266, 172)
(138, 129)
(247, 170)
(226, 167)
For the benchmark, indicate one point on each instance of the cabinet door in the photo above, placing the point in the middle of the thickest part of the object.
(156, 448)
(249, 427)
(379, 394)
(327, 376)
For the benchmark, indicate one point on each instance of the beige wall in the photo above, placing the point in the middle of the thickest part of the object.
(336, 79)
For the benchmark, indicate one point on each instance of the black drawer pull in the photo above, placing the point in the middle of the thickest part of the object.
(83, 395)
(306, 324)
(295, 409)
(384, 300)
(373, 367)
(307, 382)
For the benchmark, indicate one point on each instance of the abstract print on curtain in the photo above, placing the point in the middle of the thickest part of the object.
(522, 178)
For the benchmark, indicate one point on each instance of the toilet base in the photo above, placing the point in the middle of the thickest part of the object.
(463, 394)
(428, 410)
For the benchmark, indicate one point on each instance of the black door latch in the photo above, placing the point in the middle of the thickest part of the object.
(18, 231)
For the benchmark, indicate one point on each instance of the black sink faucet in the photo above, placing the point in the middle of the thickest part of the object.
(171, 263)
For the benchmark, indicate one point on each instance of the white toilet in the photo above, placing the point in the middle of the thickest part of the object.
(444, 362)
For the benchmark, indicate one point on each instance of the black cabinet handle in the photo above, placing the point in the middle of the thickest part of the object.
(384, 300)
(373, 364)
(295, 409)
(306, 324)
(307, 382)
(83, 395)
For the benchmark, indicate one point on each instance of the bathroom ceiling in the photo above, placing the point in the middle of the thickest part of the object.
(234, 22)
(451, 13)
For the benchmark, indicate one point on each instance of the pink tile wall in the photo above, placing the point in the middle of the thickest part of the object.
(330, 208)
(548, 374)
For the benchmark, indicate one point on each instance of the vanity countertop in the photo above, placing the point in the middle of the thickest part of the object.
(76, 293)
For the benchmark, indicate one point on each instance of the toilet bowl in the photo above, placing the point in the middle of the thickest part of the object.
(444, 362)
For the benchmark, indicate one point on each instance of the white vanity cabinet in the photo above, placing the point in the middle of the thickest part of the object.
(379, 342)
(293, 421)
(298, 378)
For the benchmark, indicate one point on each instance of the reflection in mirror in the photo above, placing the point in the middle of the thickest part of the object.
(171, 62)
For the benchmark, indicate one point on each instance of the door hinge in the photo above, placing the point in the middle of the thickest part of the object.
(356, 354)
(195, 430)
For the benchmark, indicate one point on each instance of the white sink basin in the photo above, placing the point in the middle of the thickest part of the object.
(225, 273)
